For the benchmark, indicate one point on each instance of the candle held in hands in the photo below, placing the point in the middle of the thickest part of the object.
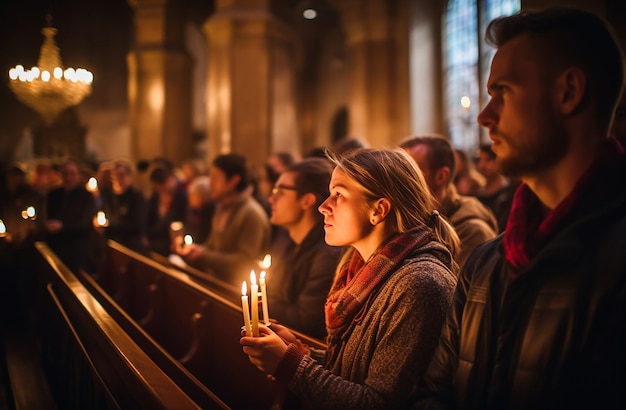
(264, 302)
(102, 219)
(254, 292)
(266, 262)
(92, 185)
(244, 307)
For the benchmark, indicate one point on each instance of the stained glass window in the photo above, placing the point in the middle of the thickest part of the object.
(467, 64)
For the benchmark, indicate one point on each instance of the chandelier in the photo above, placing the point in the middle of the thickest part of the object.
(48, 88)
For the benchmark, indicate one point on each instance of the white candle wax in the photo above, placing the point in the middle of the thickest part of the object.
(254, 291)
(264, 301)
(244, 308)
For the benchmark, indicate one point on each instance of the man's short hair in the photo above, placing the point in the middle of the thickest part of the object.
(486, 149)
(567, 36)
(234, 164)
(312, 175)
(440, 152)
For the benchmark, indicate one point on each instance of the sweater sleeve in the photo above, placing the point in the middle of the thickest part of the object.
(250, 238)
(411, 316)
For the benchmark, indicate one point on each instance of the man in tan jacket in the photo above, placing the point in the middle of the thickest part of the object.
(473, 222)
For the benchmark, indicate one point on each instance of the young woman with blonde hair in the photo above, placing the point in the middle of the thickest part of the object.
(390, 294)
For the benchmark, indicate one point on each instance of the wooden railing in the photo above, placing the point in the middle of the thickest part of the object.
(89, 359)
(185, 323)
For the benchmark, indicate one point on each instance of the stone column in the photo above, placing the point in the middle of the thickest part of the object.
(159, 82)
(378, 61)
(251, 106)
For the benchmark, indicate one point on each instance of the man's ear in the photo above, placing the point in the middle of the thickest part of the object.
(380, 210)
(308, 200)
(234, 181)
(571, 89)
(442, 176)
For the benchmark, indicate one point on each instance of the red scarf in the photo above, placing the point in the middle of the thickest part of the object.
(526, 233)
(358, 281)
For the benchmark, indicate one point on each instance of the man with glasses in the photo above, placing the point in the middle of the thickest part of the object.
(302, 269)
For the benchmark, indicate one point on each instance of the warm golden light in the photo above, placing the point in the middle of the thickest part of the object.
(101, 219)
(266, 262)
(92, 184)
(47, 88)
(188, 239)
(465, 102)
(3, 229)
(29, 213)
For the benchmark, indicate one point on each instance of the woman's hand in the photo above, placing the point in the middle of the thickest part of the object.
(265, 351)
(284, 333)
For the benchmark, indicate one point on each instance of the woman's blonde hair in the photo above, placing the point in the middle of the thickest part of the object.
(394, 175)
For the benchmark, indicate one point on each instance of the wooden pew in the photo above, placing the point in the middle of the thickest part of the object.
(195, 318)
(89, 360)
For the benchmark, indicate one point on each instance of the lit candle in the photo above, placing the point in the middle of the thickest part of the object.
(187, 240)
(254, 291)
(244, 307)
(101, 219)
(29, 213)
(266, 262)
(3, 229)
(266, 314)
(92, 184)
(176, 233)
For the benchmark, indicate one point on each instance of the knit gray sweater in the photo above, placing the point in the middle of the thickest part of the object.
(382, 360)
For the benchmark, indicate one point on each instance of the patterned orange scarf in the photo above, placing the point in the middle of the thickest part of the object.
(358, 282)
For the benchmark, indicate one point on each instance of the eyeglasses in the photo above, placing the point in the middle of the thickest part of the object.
(279, 188)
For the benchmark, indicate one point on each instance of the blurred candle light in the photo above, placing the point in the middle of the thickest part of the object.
(187, 240)
(3, 229)
(244, 308)
(29, 213)
(92, 184)
(466, 102)
(101, 219)
(266, 262)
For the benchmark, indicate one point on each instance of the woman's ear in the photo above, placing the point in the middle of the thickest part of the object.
(380, 210)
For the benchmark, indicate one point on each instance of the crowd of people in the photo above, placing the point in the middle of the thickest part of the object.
(438, 278)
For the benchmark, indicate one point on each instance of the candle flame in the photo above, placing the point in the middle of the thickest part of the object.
(101, 218)
(3, 228)
(92, 184)
(176, 226)
(244, 288)
(252, 278)
(262, 277)
(267, 261)
(188, 239)
(30, 211)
